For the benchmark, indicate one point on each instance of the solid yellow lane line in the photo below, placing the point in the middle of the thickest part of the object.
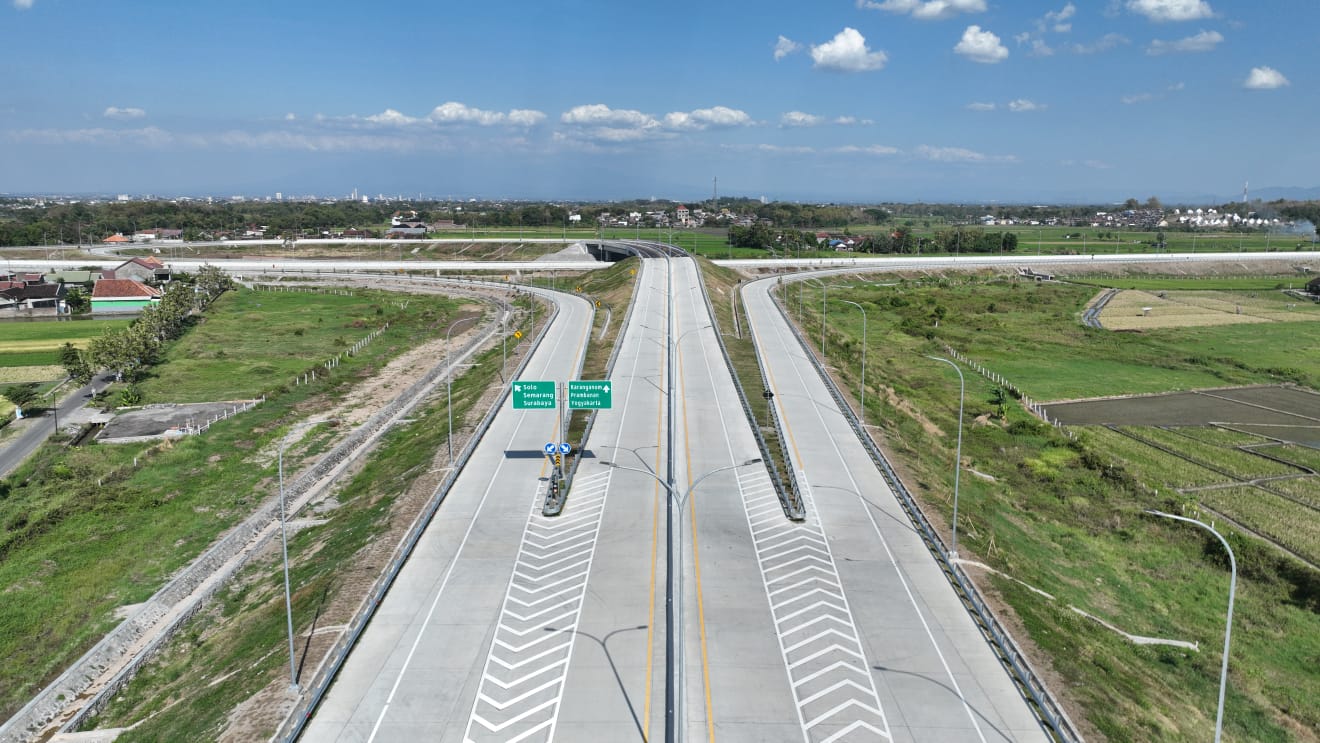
(655, 552)
(696, 557)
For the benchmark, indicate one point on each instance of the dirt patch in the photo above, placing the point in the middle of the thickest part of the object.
(375, 392)
(906, 407)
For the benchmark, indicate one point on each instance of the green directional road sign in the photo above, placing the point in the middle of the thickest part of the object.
(590, 393)
(533, 395)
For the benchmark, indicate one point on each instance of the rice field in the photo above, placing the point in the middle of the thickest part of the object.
(1292, 525)
(1148, 310)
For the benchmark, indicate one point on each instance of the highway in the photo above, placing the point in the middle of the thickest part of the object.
(509, 625)
(936, 678)
(416, 671)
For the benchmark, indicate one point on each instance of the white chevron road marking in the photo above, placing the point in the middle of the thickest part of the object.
(536, 628)
(823, 655)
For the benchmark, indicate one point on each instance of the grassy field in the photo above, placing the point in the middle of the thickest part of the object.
(1066, 516)
(39, 343)
(262, 339)
(136, 525)
(236, 648)
(1197, 283)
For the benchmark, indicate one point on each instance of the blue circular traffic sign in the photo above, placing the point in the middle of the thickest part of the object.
(565, 448)
(549, 448)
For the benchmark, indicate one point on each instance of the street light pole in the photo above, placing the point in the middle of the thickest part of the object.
(957, 462)
(861, 394)
(284, 547)
(1228, 626)
(674, 616)
(449, 386)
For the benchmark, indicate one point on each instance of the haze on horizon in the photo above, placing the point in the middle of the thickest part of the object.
(853, 100)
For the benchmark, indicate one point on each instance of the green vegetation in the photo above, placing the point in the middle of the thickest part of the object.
(38, 343)
(266, 338)
(1197, 283)
(613, 288)
(139, 511)
(1066, 516)
(722, 286)
(1292, 525)
(237, 647)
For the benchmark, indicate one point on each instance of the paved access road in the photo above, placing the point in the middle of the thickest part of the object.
(39, 429)
(416, 672)
(935, 677)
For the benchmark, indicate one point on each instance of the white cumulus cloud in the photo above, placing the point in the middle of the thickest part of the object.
(1203, 42)
(981, 46)
(22, 4)
(452, 112)
(525, 117)
(853, 121)
(847, 52)
(390, 117)
(979, 106)
(123, 114)
(800, 118)
(1022, 105)
(1171, 10)
(1265, 78)
(702, 118)
(785, 46)
(927, 10)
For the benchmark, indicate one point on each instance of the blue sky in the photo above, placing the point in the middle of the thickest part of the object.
(844, 100)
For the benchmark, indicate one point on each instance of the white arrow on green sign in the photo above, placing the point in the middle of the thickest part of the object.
(533, 395)
(591, 394)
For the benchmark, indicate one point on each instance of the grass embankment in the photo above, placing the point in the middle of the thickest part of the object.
(85, 531)
(238, 646)
(613, 288)
(1066, 517)
(722, 286)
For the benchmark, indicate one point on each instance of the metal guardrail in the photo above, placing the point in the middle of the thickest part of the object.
(334, 659)
(1030, 683)
(789, 498)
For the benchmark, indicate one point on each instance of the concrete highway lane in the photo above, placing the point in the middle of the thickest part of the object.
(617, 673)
(417, 670)
(935, 677)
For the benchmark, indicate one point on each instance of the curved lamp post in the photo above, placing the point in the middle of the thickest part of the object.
(449, 385)
(957, 462)
(674, 601)
(1228, 625)
(284, 548)
(862, 387)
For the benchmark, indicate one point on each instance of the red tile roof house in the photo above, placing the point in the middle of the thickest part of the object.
(122, 295)
(140, 268)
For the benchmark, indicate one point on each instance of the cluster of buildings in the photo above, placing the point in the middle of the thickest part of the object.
(126, 288)
(678, 217)
(1214, 218)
